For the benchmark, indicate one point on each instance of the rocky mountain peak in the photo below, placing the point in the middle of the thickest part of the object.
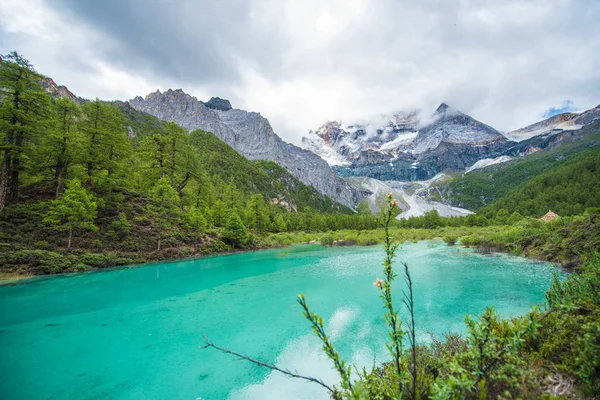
(249, 134)
(329, 131)
(217, 103)
(442, 107)
(57, 90)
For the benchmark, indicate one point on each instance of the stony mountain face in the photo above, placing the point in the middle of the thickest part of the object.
(249, 134)
(55, 90)
(404, 148)
(565, 121)
(553, 132)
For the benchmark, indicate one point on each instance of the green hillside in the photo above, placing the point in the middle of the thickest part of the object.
(568, 189)
(83, 177)
(477, 189)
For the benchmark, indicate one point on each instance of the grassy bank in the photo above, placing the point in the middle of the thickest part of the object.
(562, 241)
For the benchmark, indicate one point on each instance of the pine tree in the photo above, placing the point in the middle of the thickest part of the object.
(163, 208)
(219, 214)
(256, 213)
(121, 227)
(74, 210)
(105, 144)
(61, 144)
(235, 232)
(22, 115)
(197, 222)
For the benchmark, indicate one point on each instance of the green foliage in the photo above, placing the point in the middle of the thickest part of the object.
(61, 146)
(575, 348)
(46, 262)
(163, 208)
(567, 190)
(256, 213)
(105, 147)
(74, 210)
(121, 227)
(536, 183)
(22, 118)
(235, 232)
(196, 222)
(450, 240)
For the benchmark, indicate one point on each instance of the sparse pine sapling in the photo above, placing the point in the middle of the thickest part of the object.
(74, 210)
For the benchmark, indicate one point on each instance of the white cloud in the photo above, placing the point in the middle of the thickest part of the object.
(300, 63)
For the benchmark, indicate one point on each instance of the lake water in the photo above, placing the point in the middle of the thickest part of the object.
(136, 333)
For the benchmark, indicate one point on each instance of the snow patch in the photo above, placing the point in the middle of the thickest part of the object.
(400, 140)
(486, 162)
(318, 146)
(412, 204)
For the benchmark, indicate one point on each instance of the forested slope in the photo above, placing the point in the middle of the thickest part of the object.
(568, 189)
(477, 189)
(84, 176)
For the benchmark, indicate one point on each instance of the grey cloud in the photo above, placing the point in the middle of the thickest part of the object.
(187, 41)
(505, 62)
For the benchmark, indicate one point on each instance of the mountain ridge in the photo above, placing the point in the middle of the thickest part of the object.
(418, 149)
(251, 135)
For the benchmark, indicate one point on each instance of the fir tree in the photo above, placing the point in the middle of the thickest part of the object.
(74, 210)
(256, 213)
(163, 208)
(22, 114)
(235, 232)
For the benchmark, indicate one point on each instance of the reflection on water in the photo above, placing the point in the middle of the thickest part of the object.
(135, 333)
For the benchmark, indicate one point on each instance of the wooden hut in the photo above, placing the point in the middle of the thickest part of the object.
(550, 216)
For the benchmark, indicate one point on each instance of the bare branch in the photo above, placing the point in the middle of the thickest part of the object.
(265, 365)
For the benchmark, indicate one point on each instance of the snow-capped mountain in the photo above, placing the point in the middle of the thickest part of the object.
(558, 122)
(341, 144)
(555, 124)
(405, 147)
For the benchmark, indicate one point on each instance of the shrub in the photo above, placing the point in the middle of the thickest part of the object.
(47, 262)
(42, 244)
(94, 260)
(450, 240)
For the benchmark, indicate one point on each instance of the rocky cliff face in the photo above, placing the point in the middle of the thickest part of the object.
(248, 133)
(57, 90)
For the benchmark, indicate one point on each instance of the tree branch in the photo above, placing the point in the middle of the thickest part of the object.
(265, 365)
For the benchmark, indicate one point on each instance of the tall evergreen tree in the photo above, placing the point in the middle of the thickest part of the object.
(105, 144)
(235, 232)
(61, 144)
(256, 213)
(23, 111)
(163, 208)
(197, 222)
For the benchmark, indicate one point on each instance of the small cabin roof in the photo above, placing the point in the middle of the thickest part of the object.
(550, 216)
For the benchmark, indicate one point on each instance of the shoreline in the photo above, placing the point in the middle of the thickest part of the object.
(10, 278)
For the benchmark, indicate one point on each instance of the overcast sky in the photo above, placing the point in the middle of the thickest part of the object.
(303, 62)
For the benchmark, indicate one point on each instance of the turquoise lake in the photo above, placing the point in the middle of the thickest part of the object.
(136, 333)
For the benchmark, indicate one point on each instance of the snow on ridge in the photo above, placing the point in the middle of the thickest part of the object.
(561, 122)
(318, 146)
(487, 162)
(400, 140)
